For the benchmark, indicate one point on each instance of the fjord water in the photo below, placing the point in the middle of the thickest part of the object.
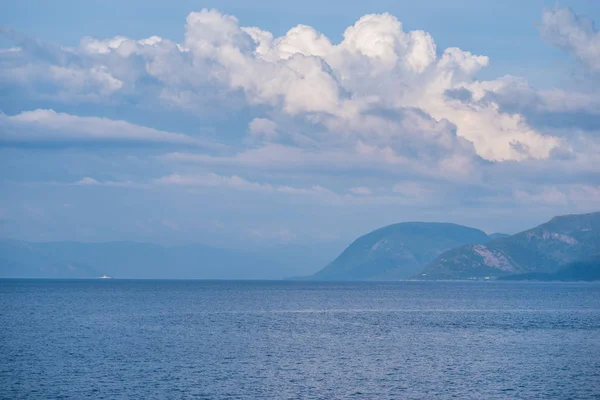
(299, 340)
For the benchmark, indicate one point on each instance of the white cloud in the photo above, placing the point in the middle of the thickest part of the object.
(574, 34)
(87, 181)
(314, 194)
(48, 126)
(359, 87)
(212, 179)
(263, 127)
(354, 157)
(583, 197)
(238, 183)
(57, 71)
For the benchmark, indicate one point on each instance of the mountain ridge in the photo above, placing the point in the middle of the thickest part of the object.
(542, 249)
(397, 251)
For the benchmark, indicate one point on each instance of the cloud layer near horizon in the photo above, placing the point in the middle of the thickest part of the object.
(382, 117)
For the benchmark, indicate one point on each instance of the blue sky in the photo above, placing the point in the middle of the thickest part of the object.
(228, 123)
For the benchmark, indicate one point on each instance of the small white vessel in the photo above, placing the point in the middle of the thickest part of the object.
(105, 277)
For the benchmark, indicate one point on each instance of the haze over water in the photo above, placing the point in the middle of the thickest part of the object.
(296, 340)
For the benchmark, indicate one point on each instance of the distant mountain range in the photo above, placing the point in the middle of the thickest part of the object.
(397, 251)
(565, 248)
(438, 251)
(543, 249)
(20, 259)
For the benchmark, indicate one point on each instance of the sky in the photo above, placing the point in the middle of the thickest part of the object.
(238, 124)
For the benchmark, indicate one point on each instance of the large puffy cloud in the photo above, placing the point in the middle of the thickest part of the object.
(360, 86)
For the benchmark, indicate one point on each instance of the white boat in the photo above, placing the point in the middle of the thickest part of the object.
(105, 277)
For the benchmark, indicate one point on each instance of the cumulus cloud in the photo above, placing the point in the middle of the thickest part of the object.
(361, 87)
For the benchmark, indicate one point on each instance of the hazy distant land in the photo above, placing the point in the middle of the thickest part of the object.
(564, 248)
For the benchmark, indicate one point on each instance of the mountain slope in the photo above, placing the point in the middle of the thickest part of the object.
(587, 270)
(498, 235)
(397, 251)
(544, 249)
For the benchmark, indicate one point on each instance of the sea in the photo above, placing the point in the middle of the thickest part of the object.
(151, 339)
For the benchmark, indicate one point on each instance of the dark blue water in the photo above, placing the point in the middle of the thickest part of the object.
(292, 340)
